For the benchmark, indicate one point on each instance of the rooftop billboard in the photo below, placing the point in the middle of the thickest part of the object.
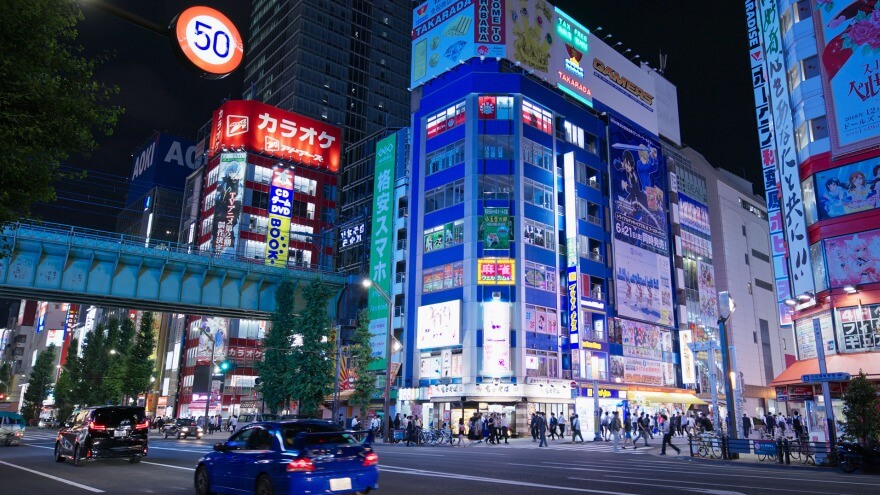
(164, 161)
(262, 128)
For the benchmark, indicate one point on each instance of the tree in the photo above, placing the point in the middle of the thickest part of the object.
(861, 409)
(274, 368)
(94, 365)
(312, 362)
(50, 105)
(39, 383)
(66, 396)
(362, 354)
(140, 366)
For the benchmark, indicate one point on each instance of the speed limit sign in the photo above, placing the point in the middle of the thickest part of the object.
(208, 40)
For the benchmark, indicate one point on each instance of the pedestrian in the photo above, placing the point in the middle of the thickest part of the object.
(667, 435)
(533, 427)
(410, 431)
(396, 421)
(542, 430)
(642, 425)
(576, 428)
(460, 435)
(797, 424)
(691, 425)
(553, 424)
(747, 425)
(627, 434)
(560, 423)
(770, 424)
(615, 429)
(341, 420)
(505, 428)
(233, 423)
(606, 422)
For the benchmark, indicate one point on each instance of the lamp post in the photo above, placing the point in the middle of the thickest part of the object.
(727, 308)
(387, 399)
(210, 377)
(597, 416)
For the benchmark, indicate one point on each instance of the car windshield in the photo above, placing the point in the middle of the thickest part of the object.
(186, 422)
(332, 434)
(113, 416)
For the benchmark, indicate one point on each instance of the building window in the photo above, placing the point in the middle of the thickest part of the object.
(747, 258)
(443, 121)
(542, 363)
(537, 155)
(496, 107)
(444, 196)
(537, 117)
(445, 157)
(763, 285)
(443, 277)
(444, 236)
(496, 147)
(538, 194)
(540, 276)
(495, 186)
(539, 234)
(541, 320)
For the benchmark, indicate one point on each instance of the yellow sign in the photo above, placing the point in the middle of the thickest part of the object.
(585, 344)
(496, 271)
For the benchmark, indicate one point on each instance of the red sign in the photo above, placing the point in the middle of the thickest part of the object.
(244, 354)
(266, 129)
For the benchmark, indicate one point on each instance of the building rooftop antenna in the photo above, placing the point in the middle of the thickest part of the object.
(662, 67)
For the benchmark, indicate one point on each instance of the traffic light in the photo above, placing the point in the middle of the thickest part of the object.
(226, 366)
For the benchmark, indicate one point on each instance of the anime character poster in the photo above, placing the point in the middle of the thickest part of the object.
(644, 285)
(638, 181)
(227, 206)
(213, 335)
(848, 189)
(853, 259)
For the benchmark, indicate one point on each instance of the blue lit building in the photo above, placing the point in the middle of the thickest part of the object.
(540, 263)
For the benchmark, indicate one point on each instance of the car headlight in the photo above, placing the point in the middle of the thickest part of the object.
(18, 433)
(184, 429)
(199, 429)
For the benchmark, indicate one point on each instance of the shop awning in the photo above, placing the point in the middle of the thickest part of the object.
(837, 363)
(667, 397)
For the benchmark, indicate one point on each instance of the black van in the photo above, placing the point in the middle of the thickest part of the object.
(103, 432)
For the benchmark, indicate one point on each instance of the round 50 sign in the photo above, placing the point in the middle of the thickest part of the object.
(208, 40)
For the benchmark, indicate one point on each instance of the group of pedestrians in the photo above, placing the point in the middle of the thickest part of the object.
(490, 429)
(542, 427)
(778, 425)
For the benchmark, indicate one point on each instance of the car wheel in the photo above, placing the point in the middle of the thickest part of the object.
(203, 481)
(135, 459)
(179, 436)
(76, 460)
(58, 456)
(264, 486)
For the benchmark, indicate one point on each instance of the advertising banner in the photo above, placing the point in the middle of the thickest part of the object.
(853, 259)
(213, 335)
(642, 371)
(846, 33)
(495, 227)
(859, 328)
(272, 131)
(693, 214)
(806, 337)
(848, 189)
(688, 370)
(444, 236)
(244, 355)
(446, 32)
(165, 160)
(638, 182)
(439, 325)
(352, 235)
(496, 271)
(643, 340)
(227, 206)
(767, 143)
(381, 242)
(280, 209)
(777, 141)
(708, 294)
(644, 286)
(496, 339)
(442, 277)
(572, 258)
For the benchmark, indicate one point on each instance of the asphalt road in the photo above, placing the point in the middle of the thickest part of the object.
(516, 469)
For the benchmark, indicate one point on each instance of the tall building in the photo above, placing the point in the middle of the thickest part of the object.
(345, 62)
(541, 275)
(815, 88)
(724, 237)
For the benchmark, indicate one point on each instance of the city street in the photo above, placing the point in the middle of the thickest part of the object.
(517, 469)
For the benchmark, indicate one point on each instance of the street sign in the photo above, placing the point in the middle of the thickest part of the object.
(826, 377)
(208, 40)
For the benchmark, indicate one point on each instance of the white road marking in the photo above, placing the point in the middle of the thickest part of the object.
(38, 446)
(152, 447)
(700, 483)
(500, 481)
(168, 466)
(62, 480)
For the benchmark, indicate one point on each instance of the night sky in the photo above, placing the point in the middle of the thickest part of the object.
(707, 61)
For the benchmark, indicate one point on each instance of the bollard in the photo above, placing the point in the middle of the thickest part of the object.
(691, 445)
(779, 451)
(724, 454)
(787, 451)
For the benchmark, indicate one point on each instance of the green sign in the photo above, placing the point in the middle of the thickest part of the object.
(444, 236)
(381, 242)
(495, 227)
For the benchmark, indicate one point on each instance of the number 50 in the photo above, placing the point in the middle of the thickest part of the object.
(220, 38)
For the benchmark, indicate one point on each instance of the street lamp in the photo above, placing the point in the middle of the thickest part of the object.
(387, 399)
(594, 370)
(210, 377)
(727, 308)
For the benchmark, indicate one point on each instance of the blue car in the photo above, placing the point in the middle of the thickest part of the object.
(289, 457)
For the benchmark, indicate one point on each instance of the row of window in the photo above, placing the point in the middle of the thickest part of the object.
(538, 155)
(445, 157)
(539, 234)
(540, 276)
(444, 196)
(584, 140)
(538, 194)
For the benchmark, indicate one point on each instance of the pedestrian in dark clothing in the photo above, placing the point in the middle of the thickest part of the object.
(797, 424)
(542, 430)
(667, 435)
(747, 425)
(576, 428)
(770, 423)
(553, 424)
(533, 427)
(410, 432)
(642, 423)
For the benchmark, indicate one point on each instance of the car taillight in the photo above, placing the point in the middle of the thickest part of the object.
(143, 425)
(300, 465)
(94, 427)
(371, 459)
